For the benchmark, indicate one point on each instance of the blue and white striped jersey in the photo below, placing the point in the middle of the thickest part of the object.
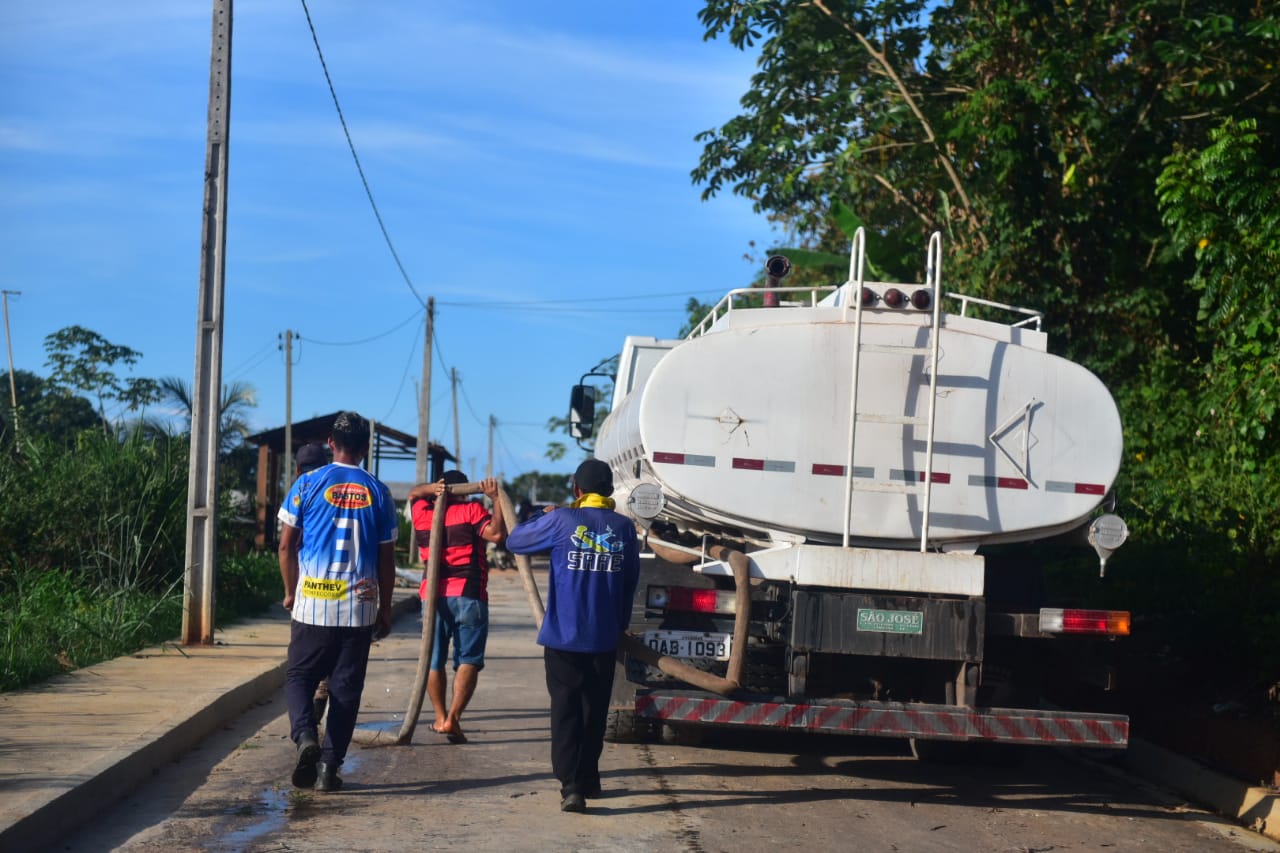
(343, 513)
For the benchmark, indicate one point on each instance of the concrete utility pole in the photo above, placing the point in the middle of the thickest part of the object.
(423, 455)
(8, 342)
(457, 440)
(288, 408)
(493, 425)
(202, 484)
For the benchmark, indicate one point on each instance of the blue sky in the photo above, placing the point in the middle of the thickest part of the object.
(530, 161)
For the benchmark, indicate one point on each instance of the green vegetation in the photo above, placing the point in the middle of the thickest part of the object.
(93, 521)
(91, 553)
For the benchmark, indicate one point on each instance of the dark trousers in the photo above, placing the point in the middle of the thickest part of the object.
(342, 655)
(579, 684)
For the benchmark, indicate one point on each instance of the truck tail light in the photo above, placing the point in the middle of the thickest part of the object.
(1056, 620)
(689, 599)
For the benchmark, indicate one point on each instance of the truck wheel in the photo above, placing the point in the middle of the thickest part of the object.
(622, 726)
(681, 735)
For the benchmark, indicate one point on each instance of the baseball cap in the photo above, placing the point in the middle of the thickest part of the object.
(311, 456)
(594, 476)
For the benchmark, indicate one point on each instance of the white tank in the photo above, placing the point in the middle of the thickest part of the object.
(745, 427)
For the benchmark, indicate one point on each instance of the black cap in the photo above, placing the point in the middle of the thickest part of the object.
(311, 456)
(594, 476)
(453, 478)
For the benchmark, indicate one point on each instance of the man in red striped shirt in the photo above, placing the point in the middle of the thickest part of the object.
(462, 598)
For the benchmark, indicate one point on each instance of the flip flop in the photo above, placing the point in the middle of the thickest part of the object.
(455, 737)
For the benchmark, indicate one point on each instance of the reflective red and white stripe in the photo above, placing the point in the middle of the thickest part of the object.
(822, 469)
(890, 719)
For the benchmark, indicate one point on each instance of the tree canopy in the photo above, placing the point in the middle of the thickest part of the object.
(1031, 134)
(81, 360)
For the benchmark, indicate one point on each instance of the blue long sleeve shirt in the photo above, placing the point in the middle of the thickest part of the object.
(595, 567)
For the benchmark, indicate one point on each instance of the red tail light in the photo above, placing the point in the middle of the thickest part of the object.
(1055, 620)
(691, 600)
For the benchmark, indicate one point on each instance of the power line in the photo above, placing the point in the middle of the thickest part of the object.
(254, 360)
(404, 378)
(350, 144)
(537, 302)
(378, 336)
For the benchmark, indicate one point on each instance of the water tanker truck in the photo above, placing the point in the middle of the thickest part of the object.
(845, 491)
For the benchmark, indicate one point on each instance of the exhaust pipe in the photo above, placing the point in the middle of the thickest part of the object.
(776, 269)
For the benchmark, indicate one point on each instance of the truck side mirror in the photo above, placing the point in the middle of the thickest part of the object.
(582, 411)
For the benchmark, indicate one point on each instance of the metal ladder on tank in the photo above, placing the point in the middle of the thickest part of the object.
(853, 292)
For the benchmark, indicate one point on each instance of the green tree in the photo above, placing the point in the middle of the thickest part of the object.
(1030, 134)
(237, 399)
(237, 461)
(44, 410)
(1226, 422)
(539, 486)
(82, 360)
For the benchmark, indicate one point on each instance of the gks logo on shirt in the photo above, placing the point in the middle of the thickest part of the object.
(348, 496)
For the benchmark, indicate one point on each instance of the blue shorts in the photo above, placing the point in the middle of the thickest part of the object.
(464, 622)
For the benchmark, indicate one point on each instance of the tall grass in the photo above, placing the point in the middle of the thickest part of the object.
(110, 509)
(92, 548)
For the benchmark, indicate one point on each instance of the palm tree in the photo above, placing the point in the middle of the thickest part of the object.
(233, 408)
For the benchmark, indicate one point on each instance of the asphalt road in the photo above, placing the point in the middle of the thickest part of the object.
(735, 793)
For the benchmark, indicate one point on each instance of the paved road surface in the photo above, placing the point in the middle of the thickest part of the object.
(753, 793)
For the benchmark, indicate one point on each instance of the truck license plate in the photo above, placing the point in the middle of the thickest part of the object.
(689, 644)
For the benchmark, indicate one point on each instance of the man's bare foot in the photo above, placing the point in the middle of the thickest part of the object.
(451, 731)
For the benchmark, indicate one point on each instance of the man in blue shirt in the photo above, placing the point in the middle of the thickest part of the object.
(337, 561)
(595, 566)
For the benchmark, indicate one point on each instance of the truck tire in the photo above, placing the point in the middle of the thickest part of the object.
(681, 735)
(623, 726)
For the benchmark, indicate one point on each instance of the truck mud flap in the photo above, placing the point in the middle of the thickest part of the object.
(891, 719)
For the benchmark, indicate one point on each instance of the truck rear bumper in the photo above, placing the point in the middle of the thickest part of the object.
(890, 719)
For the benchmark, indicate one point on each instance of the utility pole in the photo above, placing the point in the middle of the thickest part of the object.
(423, 456)
(457, 441)
(8, 342)
(288, 408)
(202, 484)
(493, 425)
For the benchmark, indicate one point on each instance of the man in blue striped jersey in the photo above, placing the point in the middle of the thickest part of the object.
(337, 560)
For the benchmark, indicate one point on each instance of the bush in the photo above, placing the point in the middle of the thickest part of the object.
(92, 549)
(52, 621)
(110, 510)
(247, 585)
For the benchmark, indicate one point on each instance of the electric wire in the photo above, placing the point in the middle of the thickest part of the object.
(363, 180)
(261, 357)
(256, 358)
(404, 378)
(367, 340)
(535, 302)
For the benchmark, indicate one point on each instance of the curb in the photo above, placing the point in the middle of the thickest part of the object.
(117, 776)
(1254, 807)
